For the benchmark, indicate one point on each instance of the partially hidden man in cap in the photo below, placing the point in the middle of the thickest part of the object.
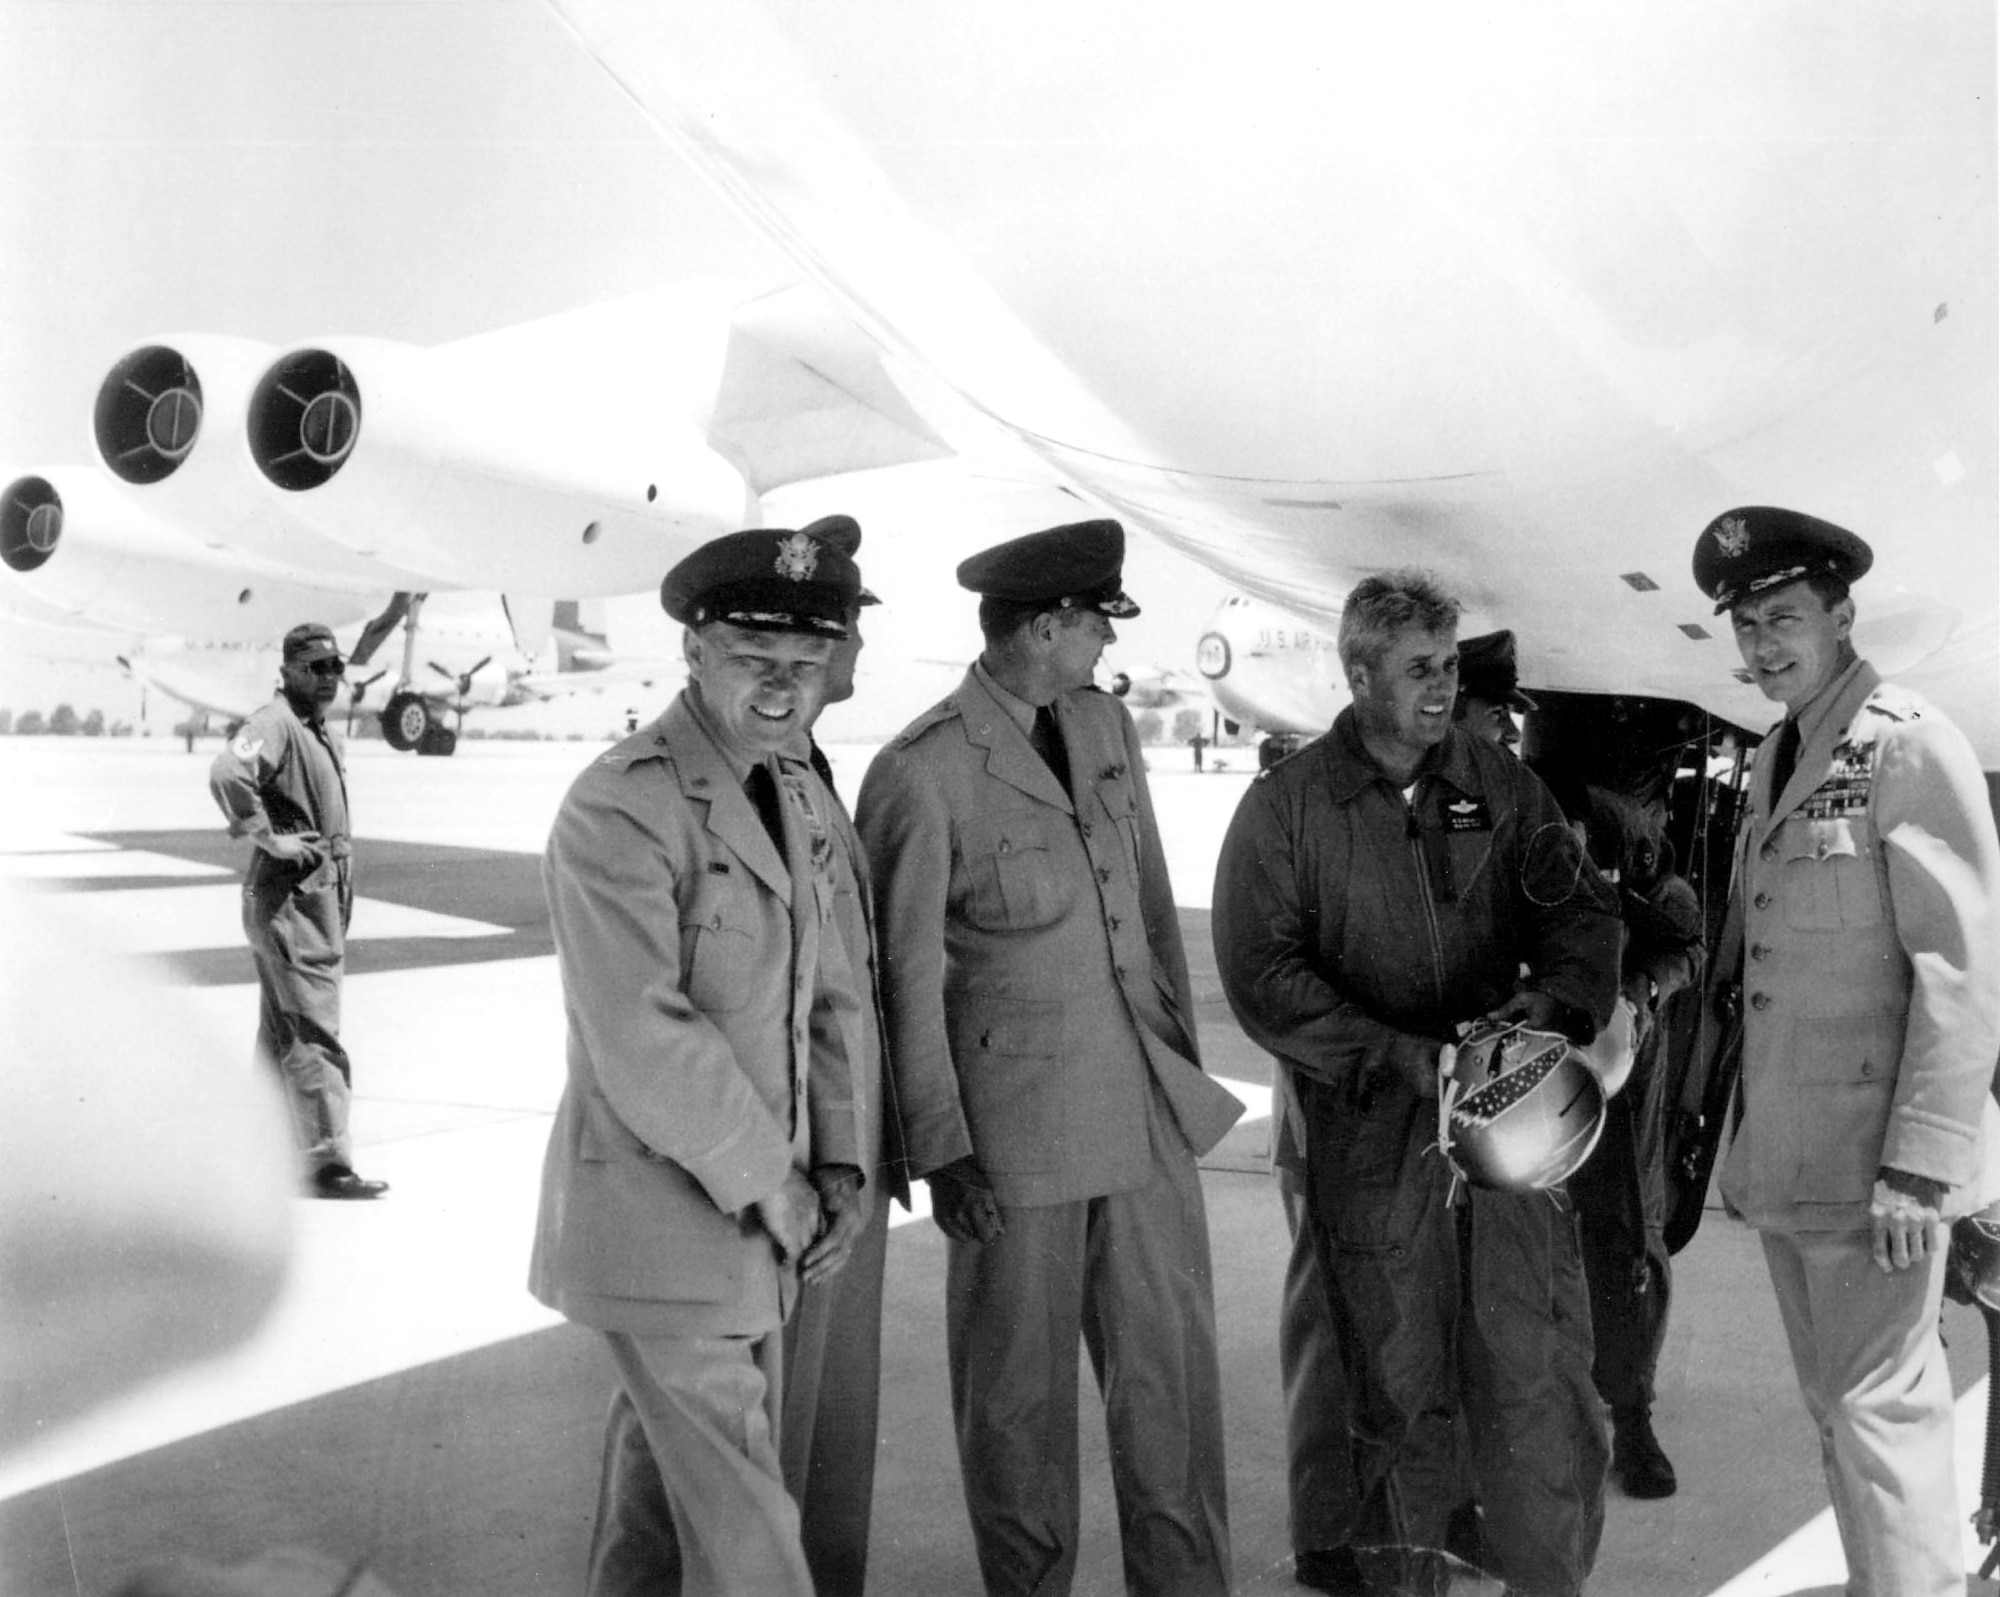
(1041, 1035)
(707, 1156)
(1489, 689)
(282, 783)
(1864, 929)
(832, 1348)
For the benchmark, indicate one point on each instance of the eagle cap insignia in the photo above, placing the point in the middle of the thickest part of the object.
(798, 558)
(1732, 536)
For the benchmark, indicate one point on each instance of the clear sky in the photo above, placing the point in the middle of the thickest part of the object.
(281, 169)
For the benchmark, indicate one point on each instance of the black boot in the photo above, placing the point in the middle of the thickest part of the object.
(1638, 1464)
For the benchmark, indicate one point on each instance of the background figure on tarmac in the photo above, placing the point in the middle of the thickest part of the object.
(1866, 900)
(1621, 1193)
(281, 783)
(1041, 1032)
(1489, 689)
(1381, 887)
(833, 1342)
(713, 1023)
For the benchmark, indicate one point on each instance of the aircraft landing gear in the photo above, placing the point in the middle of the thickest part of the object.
(407, 719)
(437, 739)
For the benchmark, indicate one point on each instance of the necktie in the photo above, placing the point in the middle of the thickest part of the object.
(1047, 738)
(1786, 758)
(762, 789)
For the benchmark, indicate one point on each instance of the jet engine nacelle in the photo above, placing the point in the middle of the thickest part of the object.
(77, 547)
(168, 424)
(485, 469)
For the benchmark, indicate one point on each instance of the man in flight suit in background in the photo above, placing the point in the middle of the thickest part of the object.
(281, 783)
(1866, 901)
(1041, 1032)
(713, 1024)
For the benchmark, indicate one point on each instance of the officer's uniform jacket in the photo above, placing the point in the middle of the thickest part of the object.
(1868, 894)
(712, 1020)
(280, 775)
(1032, 971)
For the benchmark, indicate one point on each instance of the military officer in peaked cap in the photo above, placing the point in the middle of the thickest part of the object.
(1041, 1038)
(714, 1021)
(1489, 689)
(1865, 932)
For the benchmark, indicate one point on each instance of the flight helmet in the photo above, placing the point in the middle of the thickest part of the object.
(1521, 1109)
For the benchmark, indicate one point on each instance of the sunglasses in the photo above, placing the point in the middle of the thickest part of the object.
(327, 668)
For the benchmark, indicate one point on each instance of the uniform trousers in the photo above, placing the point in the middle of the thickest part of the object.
(1872, 1370)
(1318, 1454)
(1130, 1273)
(296, 928)
(1476, 1306)
(1621, 1203)
(692, 1428)
(833, 1385)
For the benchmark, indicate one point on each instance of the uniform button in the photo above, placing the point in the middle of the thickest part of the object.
(1769, 851)
(1760, 1000)
(1112, 920)
(1104, 873)
(1118, 971)
(1084, 827)
(1006, 846)
(1759, 950)
(1762, 900)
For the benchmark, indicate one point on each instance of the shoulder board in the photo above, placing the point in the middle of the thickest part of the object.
(648, 743)
(946, 709)
(1284, 760)
(1896, 702)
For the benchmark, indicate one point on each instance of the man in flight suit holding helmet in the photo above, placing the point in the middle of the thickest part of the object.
(1376, 891)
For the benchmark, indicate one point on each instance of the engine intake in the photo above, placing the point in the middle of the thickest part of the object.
(305, 417)
(31, 523)
(148, 414)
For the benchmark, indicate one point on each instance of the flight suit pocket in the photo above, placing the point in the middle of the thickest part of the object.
(1829, 875)
(1009, 1057)
(1015, 884)
(718, 949)
(1846, 1068)
(1357, 1161)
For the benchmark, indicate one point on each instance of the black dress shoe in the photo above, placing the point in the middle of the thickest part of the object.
(1330, 1569)
(1638, 1464)
(337, 1181)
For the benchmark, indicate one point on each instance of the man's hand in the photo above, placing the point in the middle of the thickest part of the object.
(1536, 1011)
(963, 1204)
(1421, 1063)
(1904, 1218)
(294, 848)
(791, 1215)
(845, 1217)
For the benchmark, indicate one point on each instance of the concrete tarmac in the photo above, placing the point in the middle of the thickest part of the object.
(408, 1404)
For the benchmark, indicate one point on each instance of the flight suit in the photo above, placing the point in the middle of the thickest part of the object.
(1040, 1019)
(1868, 894)
(1353, 931)
(284, 775)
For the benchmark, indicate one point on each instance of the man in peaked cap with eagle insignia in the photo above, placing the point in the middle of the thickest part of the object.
(1041, 1037)
(1864, 931)
(708, 1147)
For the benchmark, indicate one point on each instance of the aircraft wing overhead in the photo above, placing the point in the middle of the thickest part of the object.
(1525, 294)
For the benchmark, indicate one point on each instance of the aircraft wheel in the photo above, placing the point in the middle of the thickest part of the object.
(438, 740)
(405, 720)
